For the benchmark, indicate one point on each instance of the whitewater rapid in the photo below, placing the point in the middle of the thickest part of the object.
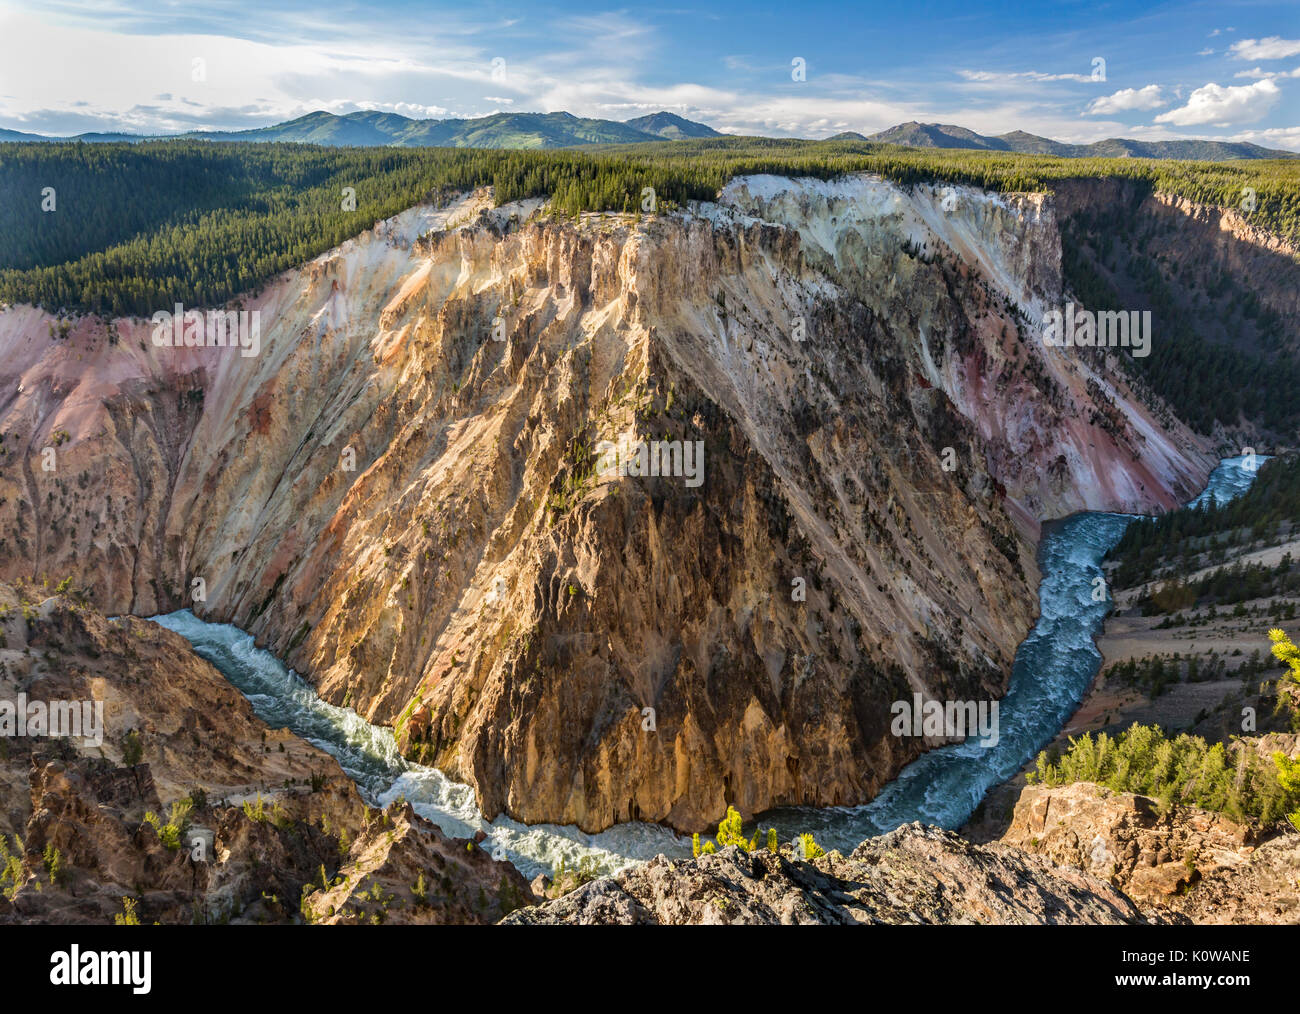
(1053, 668)
(369, 755)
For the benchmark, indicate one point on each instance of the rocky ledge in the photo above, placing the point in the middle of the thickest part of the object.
(914, 875)
(1076, 854)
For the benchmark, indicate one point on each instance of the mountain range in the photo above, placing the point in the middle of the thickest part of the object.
(371, 128)
(946, 135)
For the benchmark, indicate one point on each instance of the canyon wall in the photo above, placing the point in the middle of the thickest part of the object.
(404, 494)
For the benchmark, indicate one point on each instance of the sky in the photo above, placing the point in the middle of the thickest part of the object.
(1072, 71)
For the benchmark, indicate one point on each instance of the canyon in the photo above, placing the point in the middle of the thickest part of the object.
(399, 496)
(81, 843)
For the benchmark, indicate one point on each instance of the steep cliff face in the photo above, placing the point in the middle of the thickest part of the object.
(404, 494)
(1061, 432)
(1202, 238)
(1223, 293)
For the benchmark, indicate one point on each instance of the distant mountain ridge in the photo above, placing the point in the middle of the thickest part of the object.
(371, 128)
(672, 127)
(946, 135)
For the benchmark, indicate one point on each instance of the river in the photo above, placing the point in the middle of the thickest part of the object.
(1053, 668)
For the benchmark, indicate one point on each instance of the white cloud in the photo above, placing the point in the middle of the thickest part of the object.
(1274, 137)
(998, 77)
(1127, 98)
(1258, 74)
(1222, 106)
(414, 110)
(243, 83)
(1272, 48)
(1208, 50)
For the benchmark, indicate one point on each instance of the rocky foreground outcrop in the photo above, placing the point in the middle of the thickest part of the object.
(1183, 864)
(84, 826)
(1077, 854)
(293, 842)
(403, 495)
(402, 870)
(912, 876)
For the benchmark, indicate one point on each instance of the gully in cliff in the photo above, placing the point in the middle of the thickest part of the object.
(82, 720)
(1070, 328)
(676, 458)
(182, 328)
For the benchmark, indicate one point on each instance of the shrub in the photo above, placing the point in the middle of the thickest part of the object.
(11, 867)
(53, 860)
(730, 833)
(1183, 770)
(1288, 776)
(171, 832)
(132, 749)
(1285, 651)
(566, 878)
(276, 815)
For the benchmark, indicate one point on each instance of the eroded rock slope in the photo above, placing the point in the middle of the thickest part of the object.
(401, 494)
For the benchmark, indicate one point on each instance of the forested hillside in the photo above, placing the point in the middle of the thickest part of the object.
(1189, 537)
(139, 226)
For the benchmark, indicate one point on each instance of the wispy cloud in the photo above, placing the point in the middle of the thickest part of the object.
(1272, 48)
(1013, 77)
(1275, 137)
(1267, 75)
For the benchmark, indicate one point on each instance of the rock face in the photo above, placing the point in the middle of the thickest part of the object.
(195, 730)
(414, 514)
(1124, 839)
(75, 840)
(1193, 234)
(1265, 889)
(1184, 865)
(914, 875)
(1076, 854)
(401, 869)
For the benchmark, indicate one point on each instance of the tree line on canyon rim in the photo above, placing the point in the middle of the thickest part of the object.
(1232, 779)
(137, 227)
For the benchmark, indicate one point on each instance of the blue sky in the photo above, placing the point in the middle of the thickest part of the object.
(1209, 69)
